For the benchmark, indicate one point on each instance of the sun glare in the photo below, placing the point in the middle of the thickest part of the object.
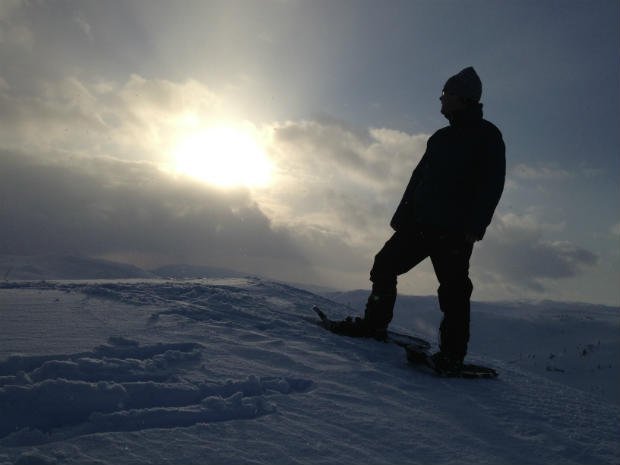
(224, 156)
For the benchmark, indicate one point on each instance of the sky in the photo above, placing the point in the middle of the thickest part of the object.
(276, 137)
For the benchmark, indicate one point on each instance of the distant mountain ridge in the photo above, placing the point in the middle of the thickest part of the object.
(55, 266)
(75, 267)
(43, 267)
(183, 271)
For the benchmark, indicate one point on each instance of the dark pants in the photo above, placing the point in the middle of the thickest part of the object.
(450, 257)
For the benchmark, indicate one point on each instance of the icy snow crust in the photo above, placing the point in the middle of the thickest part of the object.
(235, 371)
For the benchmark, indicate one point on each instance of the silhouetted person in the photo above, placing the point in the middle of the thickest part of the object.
(446, 207)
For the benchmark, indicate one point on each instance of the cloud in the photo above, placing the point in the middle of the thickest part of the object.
(539, 172)
(14, 33)
(342, 178)
(539, 175)
(372, 157)
(83, 25)
(515, 254)
(139, 119)
(7, 7)
(132, 210)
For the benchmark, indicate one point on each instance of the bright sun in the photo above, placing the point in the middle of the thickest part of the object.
(225, 156)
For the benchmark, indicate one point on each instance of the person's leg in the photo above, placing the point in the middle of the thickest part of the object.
(450, 257)
(401, 252)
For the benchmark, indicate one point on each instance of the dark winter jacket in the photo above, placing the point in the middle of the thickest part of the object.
(459, 180)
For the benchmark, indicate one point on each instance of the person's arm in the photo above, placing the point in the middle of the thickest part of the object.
(489, 186)
(404, 208)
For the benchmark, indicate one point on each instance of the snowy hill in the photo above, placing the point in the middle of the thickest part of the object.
(235, 371)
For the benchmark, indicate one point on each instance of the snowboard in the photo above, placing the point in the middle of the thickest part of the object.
(422, 358)
(418, 352)
(402, 340)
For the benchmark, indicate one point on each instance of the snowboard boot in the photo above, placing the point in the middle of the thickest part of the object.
(454, 337)
(379, 311)
(377, 317)
(359, 327)
(445, 364)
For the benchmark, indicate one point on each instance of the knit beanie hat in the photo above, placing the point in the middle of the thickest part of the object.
(465, 84)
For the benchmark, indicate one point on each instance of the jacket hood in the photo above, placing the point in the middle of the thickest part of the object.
(467, 116)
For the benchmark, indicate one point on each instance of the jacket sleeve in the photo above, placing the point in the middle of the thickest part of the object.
(403, 214)
(488, 185)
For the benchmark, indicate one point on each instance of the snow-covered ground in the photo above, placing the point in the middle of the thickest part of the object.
(235, 371)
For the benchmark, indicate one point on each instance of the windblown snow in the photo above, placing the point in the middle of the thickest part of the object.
(236, 371)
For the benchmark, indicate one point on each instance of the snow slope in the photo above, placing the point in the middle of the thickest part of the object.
(235, 371)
